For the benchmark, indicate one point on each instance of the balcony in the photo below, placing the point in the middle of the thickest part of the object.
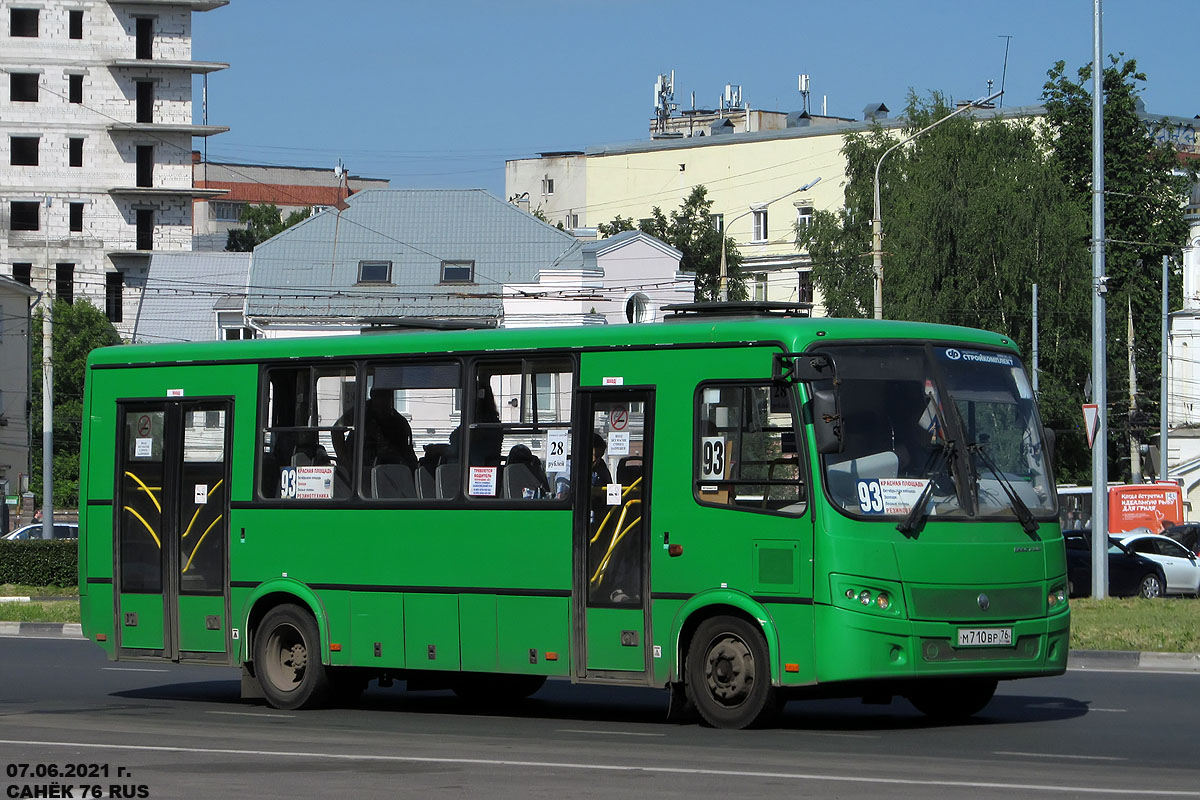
(167, 127)
(195, 67)
(194, 5)
(165, 191)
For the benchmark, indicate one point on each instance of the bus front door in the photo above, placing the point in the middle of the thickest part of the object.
(612, 590)
(172, 530)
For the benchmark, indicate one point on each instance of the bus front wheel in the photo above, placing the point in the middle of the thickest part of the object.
(952, 699)
(287, 659)
(729, 673)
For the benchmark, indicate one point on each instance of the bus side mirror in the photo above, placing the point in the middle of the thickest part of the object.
(827, 421)
(1048, 437)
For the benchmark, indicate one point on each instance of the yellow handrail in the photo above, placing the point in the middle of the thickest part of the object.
(199, 509)
(147, 524)
(146, 489)
(200, 541)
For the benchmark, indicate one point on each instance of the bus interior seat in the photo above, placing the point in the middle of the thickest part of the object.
(523, 471)
(426, 481)
(448, 479)
(392, 480)
(629, 469)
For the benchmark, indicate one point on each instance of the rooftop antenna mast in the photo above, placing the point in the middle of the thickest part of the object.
(804, 92)
(664, 101)
(1004, 72)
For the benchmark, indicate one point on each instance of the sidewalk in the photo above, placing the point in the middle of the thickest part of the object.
(1098, 660)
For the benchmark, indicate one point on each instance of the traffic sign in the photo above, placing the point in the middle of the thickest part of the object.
(1091, 416)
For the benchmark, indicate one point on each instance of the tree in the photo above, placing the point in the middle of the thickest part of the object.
(1145, 192)
(690, 230)
(79, 328)
(262, 222)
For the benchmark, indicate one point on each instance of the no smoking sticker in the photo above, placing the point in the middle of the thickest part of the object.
(144, 425)
(618, 418)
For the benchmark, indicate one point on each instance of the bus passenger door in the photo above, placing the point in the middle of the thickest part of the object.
(172, 530)
(612, 592)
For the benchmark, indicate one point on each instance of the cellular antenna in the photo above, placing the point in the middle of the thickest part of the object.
(664, 101)
(804, 92)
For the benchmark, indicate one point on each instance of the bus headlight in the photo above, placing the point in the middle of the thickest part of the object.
(1057, 597)
(864, 597)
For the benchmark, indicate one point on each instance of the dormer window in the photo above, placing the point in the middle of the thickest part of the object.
(374, 271)
(458, 272)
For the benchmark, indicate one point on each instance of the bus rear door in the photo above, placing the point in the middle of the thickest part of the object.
(612, 591)
(172, 515)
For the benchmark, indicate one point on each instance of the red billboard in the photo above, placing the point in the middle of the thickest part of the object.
(1144, 506)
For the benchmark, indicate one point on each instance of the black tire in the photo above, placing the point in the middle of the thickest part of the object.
(1150, 586)
(729, 673)
(952, 699)
(483, 688)
(287, 659)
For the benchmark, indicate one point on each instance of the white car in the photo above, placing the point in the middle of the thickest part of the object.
(61, 530)
(1181, 566)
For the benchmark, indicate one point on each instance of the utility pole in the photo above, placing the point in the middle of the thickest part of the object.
(1163, 419)
(48, 390)
(1135, 456)
(1035, 341)
(1099, 339)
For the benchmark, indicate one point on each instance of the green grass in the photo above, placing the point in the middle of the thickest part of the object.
(65, 610)
(1162, 625)
(24, 590)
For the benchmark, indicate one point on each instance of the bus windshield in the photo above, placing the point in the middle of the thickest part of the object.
(952, 428)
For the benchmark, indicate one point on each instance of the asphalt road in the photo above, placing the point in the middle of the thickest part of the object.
(182, 732)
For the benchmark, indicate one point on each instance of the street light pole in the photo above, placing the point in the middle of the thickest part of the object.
(877, 222)
(723, 280)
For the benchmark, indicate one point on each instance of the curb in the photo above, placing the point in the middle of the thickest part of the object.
(57, 630)
(1132, 660)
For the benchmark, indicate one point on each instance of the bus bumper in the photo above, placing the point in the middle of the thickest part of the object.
(859, 646)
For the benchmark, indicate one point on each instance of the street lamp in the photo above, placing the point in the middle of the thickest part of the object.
(723, 282)
(877, 222)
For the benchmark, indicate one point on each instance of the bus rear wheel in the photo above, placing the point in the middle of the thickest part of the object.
(729, 673)
(952, 699)
(287, 659)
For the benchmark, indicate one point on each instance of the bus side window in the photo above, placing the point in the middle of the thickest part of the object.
(746, 448)
(309, 416)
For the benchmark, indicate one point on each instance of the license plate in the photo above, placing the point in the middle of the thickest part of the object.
(984, 637)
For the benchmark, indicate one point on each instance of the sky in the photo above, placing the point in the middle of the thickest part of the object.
(440, 94)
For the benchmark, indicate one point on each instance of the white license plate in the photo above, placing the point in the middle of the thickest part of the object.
(984, 637)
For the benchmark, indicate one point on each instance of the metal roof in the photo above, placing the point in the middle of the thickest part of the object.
(182, 291)
(312, 268)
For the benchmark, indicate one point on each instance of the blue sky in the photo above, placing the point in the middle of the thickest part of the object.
(439, 94)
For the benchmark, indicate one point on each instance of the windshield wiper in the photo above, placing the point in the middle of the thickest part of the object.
(916, 515)
(1024, 515)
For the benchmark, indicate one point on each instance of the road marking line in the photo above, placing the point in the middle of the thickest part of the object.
(252, 714)
(133, 669)
(1110, 710)
(608, 733)
(1058, 755)
(567, 765)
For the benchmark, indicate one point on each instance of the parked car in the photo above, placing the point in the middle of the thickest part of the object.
(1129, 574)
(62, 530)
(1187, 534)
(1179, 563)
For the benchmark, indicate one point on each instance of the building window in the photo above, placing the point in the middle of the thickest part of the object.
(64, 282)
(212, 419)
(547, 185)
(22, 272)
(23, 22)
(25, 215)
(145, 101)
(75, 24)
(374, 272)
(23, 151)
(23, 87)
(76, 217)
(760, 286)
(114, 296)
(458, 272)
(75, 87)
(144, 47)
(804, 215)
(75, 151)
(804, 286)
(638, 309)
(145, 165)
(717, 221)
(572, 220)
(237, 334)
(145, 229)
(760, 225)
(225, 211)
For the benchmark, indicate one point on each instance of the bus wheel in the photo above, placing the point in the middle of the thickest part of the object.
(489, 689)
(728, 673)
(952, 700)
(287, 659)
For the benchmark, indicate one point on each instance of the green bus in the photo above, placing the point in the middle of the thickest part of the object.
(740, 509)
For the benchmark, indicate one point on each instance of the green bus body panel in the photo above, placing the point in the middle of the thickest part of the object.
(97, 610)
(431, 631)
(528, 624)
(710, 603)
(147, 634)
(478, 632)
(377, 629)
(606, 627)
(294, 591)
(194, 634)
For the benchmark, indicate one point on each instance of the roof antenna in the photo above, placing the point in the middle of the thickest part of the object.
(1004, 72)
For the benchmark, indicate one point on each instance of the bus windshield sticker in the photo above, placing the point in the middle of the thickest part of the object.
(712, 464)
(979, 357)
(889, 495)
(556, 450)
(618, 443)
(143, 448)
(483, 482)
(614, 494)
(200, 492)
(313, 483)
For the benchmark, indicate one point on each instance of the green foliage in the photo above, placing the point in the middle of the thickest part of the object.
(690, 231)
(1145, 191)
(53, 562)
(1160, 625)
(262, 222)
(79, 328)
